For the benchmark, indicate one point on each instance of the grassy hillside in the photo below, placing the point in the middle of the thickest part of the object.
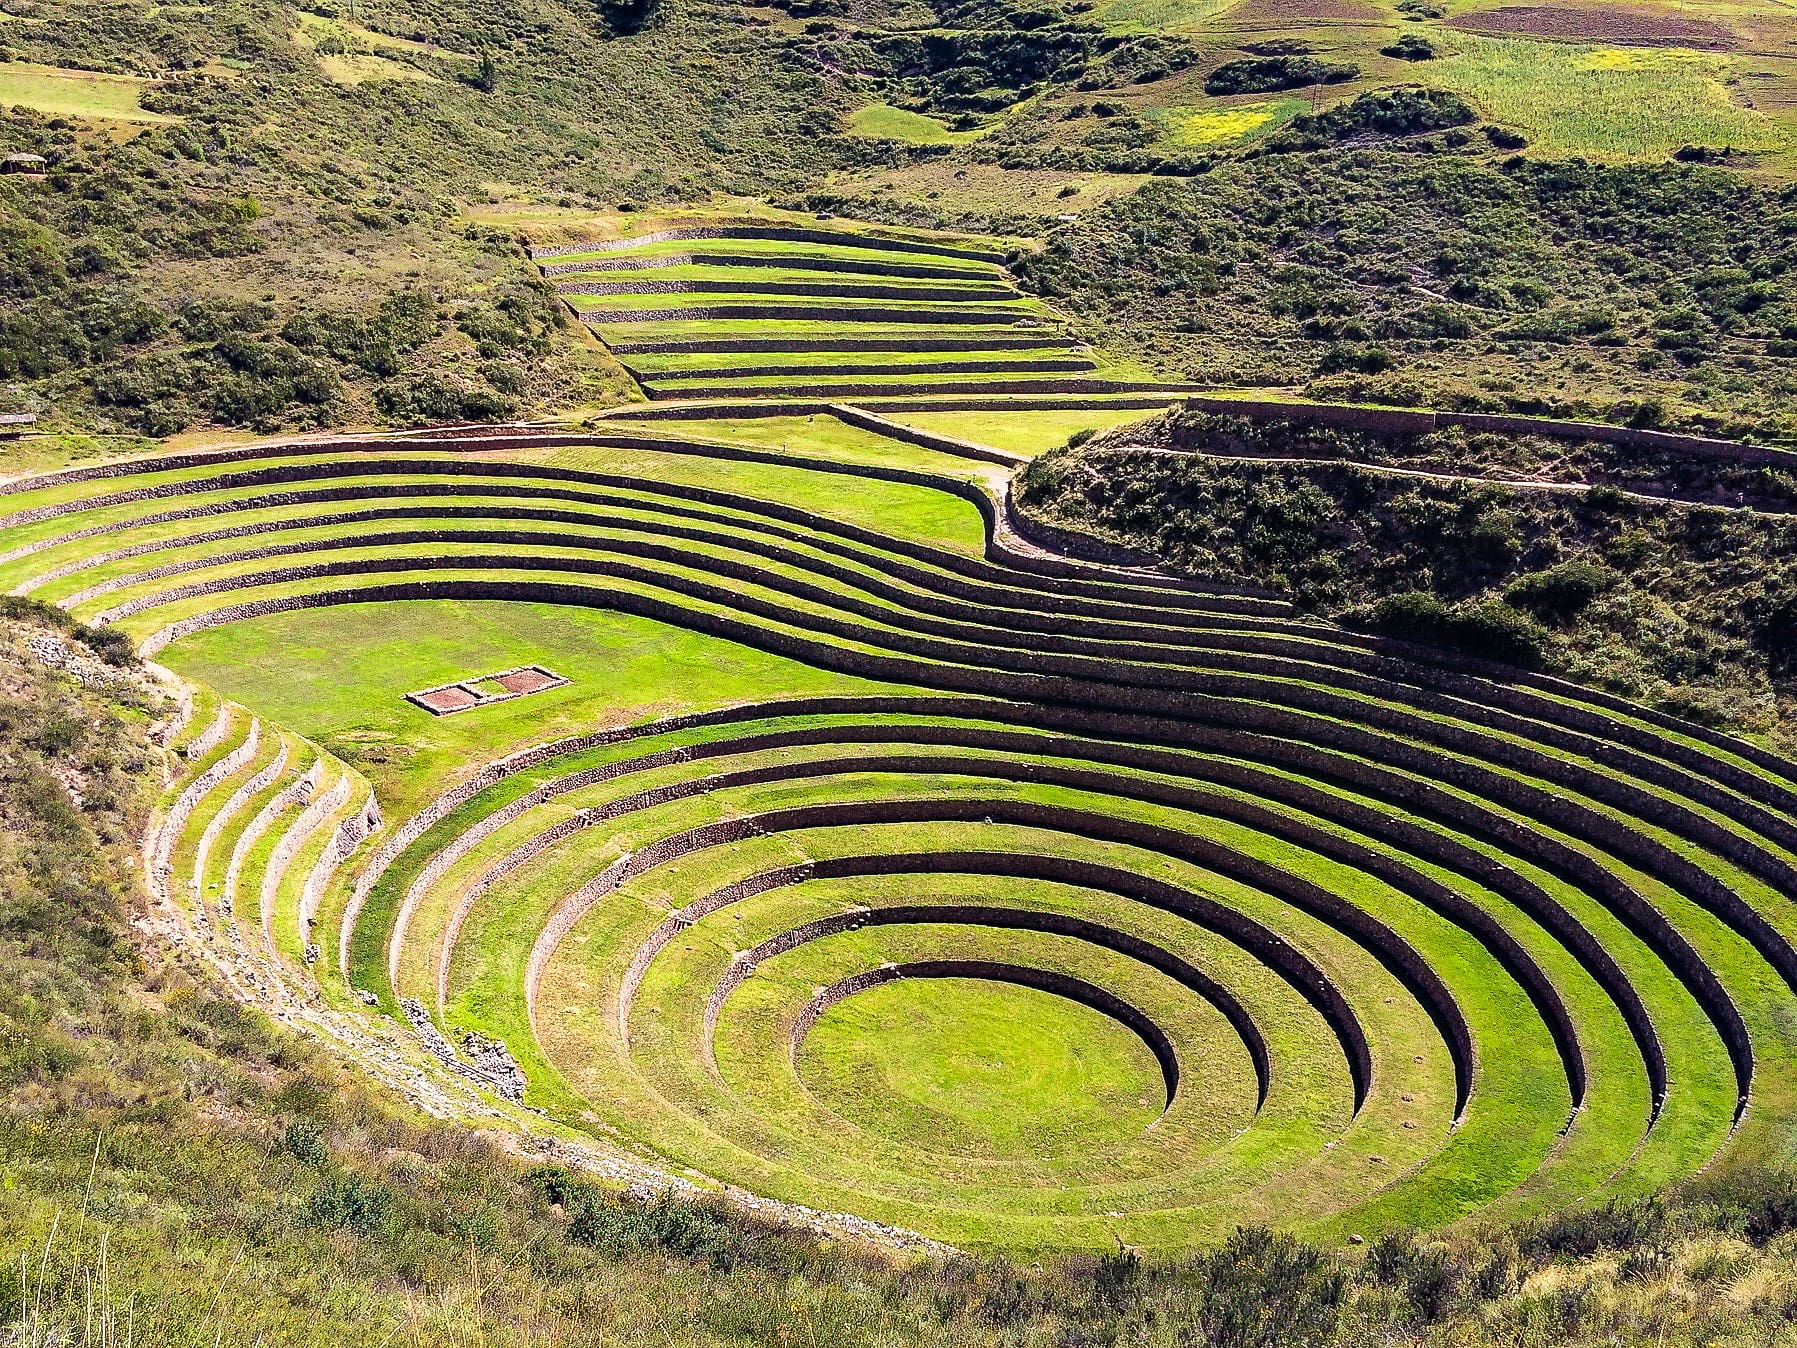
(1668, 579)
(1451, 279)
(262, 215)
(287, 249)
(690, 870)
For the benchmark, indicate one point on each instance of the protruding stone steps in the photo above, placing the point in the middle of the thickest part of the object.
(814, 262)
(881, 242)
(330, 797)
(822, 386)
(920, 345)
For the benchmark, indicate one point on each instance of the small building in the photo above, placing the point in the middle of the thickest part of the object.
(15, 424)
(22, 161)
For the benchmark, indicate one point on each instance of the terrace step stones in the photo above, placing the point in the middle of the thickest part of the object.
(744, 309)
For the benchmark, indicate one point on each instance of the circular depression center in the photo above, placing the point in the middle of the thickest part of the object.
(981, 1067)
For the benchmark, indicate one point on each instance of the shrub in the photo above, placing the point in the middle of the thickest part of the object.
(1561, 592)
(1383, 112)
(620, 1226)
(1262, 1290)
(350, 1203)
(1410, 47)
(1266, 74)
(1759, 1204)
(304, 1141)
(1487, 628)
(1425, 1275)
(1578, 1233)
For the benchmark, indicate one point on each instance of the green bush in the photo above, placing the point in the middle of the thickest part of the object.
(1560, 593)
(1410, 47)
(1381, 112)
(1486, 628)
(1268, 74)
(349, 1203)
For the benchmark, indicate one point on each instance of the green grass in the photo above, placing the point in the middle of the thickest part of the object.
(353, 69)
(819, 331)
(75, 93)
(884, 385)
(596, 307)
(705, 271)
(987, 296)
(1160, 16)
(1289, 1124)
(620, 669)
(849, 247)
(179, 1122)
(1609, 104)
(1021, 432)
(992, 1068)
(1198, 126)
(882, 121)
(824, 361)
(817, 433)
(315, 28)
(1028, 1128)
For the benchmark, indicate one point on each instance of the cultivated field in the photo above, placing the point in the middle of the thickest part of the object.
(853, 850)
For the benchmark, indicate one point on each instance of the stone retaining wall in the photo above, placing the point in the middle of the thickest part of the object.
(1071, 365)
(963, 316)
(793, 261)
(911, 435)
(682, 918)
(1074, 657)
(240, 798)
(1404, 837)
(704, 346)
(1403, 421)
(345, 839)
(1285, 959)
(779, 234)
(175, 819)
(976, 494)
(828, 290)
(1533, 802)
(1024, 403)
(286, 848)
(1226, 673)
(1046, 980)
(211, 737)
(1124, 943)
(298, 790)
(933, 387)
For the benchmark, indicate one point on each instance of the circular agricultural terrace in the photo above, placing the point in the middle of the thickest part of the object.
(883, 864)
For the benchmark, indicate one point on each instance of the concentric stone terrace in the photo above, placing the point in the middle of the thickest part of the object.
(727, 309)
(875, 860)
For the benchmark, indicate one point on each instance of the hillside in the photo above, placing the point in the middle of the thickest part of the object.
(1667, 578)
(264, 216)
(1078, 673)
